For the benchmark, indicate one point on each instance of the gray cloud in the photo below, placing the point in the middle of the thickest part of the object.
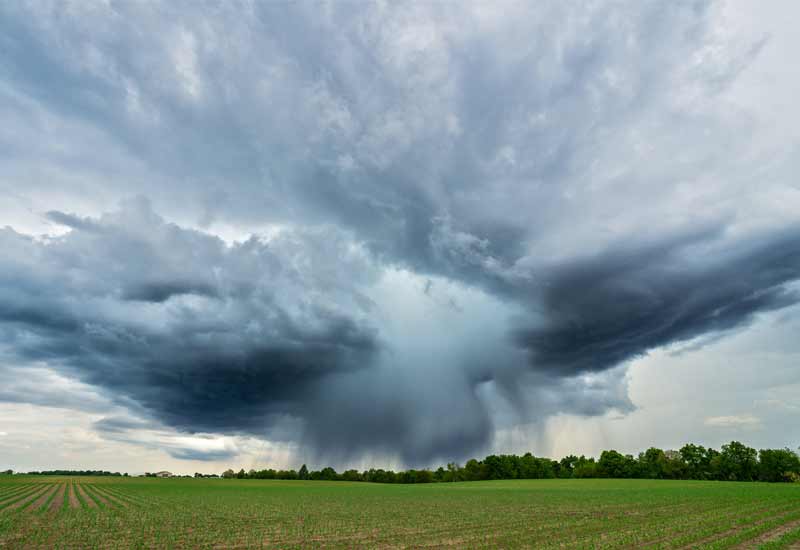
(40, 386)
(225, 358)
(605, 309)
(194, 454)
(163, 291)
(578, 175)
(151, 434)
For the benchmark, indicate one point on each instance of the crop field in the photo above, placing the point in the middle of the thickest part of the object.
(53, 512)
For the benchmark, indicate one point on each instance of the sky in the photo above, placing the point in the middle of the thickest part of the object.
(260, 234)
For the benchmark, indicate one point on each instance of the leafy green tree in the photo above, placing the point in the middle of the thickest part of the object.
(424, 476)
(737, 462)
(328, 474)
(528, 467)
(700, 463)
(615, 464)
(475, 470)
(693, 456)
(502, 466)
(303, 473)
(585, 468)
(454, 472)
(652, 464)
(566, 466)
(674, 467)
(350, 475)
(778, 465)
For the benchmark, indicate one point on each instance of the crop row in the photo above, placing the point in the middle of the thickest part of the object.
(535, 514)
(62, 496)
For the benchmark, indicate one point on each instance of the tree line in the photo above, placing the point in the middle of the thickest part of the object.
(733, 462)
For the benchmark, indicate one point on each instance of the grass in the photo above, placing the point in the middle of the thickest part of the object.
(189, 513)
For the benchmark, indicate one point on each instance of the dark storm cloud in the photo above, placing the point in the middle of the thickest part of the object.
(223, 353)
(281, 332)
(418, 416)
(549, 158)
(600, 311)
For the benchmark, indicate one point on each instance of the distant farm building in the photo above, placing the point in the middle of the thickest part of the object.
(164, 474)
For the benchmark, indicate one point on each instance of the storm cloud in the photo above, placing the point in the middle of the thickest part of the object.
(229, 334)
(390, 231)
(605, 309)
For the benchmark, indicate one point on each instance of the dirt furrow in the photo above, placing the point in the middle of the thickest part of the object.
(133, 499)
(768, 536)
(11, 495)
(23, 501)
(734, 530)
(116, 500)
(5, 493)
(86, 498)
(58, 500)
(42, 500)
(92, 491)
(73, 499)
(28, 491)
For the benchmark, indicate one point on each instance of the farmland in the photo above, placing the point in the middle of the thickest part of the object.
(102, 512)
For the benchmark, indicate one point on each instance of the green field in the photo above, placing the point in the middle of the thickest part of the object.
(103, 512)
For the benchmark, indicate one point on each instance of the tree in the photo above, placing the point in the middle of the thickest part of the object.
(614, 464)
(350, 475)
(502, 466)
(778, 465)
(699, 462)
(674, 468)
(494, 468)
(453, 472)
(475, 470)
(424, 476)
(737, 462)
(652, 464)
(585, 467)
(566, 466)
(329, 474)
